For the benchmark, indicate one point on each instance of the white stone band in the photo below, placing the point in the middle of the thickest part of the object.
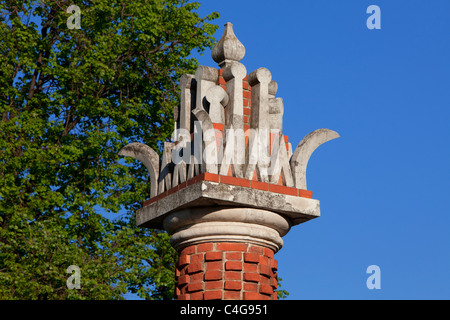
(223, 224)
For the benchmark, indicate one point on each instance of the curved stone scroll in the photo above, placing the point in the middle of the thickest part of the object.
(149, 158)
(303, 152)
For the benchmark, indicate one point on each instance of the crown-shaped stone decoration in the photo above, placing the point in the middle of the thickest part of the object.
(229, 49)
(228, 151)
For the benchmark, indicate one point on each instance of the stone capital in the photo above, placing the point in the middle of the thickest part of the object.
(226, 224)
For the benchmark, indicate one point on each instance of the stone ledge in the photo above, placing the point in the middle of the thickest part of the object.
(200, 193)
(254, 184)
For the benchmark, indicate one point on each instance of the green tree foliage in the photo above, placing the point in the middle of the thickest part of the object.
(281, 294)
(70, 99)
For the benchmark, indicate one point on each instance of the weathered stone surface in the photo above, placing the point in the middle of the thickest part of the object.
(303, 152)
(256, 170)
(206, 77)
(165, 174)
(149, 158)
(210, 158)
(224, 224)
(184, 115)
(229, 183)
(281, 164)
(206, 193)
(218, 99)
(229, 48)
(209, 127)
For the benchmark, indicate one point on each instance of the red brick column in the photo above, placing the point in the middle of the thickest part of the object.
(226, 270)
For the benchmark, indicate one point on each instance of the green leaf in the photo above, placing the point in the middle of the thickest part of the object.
(70, 100)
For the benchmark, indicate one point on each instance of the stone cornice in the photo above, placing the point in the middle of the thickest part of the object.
(204, 193)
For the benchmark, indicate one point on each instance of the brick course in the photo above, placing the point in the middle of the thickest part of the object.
(229, 271)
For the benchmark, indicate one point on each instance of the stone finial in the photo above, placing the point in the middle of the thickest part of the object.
(229, 48)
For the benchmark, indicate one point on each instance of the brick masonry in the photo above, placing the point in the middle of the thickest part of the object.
(226, 271)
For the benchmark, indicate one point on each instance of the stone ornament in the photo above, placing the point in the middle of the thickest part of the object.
(230, 173)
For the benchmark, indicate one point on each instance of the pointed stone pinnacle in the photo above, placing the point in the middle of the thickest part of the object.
(229, 49)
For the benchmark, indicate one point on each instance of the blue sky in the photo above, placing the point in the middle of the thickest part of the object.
(384, 185)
